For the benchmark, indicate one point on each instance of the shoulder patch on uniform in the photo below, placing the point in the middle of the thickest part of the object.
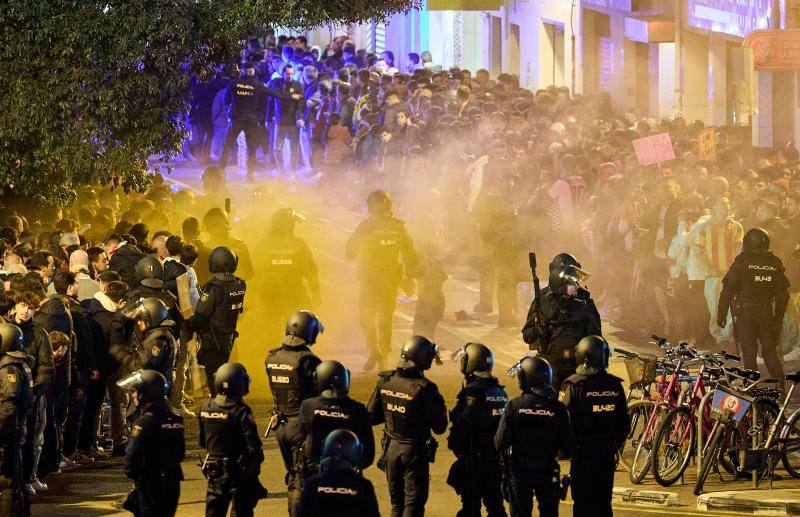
(562, 395)
(136, 431)
(470, 401)
(12, 378)
(155, 351)
(203, 296)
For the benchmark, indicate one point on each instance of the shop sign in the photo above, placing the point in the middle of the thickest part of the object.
(734, 17)
(619, 5)
(464, 5)
(775, 50)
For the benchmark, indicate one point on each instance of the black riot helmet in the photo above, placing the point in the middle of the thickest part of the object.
(222, 260)
(564, 259)
(232, 380)
(591, 354)
(150, 386)
(150, 272)
(302, 328)
(341, 450)
(283, 221)
(476, 357)
(756, 239)
(561, 276)
(333, 379)
(152, 311)
(419, 351)
(532, 372)
(379, 202)
(11, 339)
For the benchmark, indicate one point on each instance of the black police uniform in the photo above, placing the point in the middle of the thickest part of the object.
(599, 413)
(378, 243)
(228, 431)
(214, 320)
(16, 401)
(335, 493)
(321, 415)
(290, 371)
(248, 96)
(153, 461)
(535, 428)
(411, 407)
(289, 278)
(169, 299)
(157, 352)
(757, 291)
(565, 321)
(476, 472)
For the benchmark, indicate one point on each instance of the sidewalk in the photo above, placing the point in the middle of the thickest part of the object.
(756, 502)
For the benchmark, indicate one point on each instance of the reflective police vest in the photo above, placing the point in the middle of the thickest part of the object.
(288, 389)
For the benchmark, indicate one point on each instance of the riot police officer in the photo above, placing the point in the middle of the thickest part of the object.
(476, 472)
(339, 488)
(598, 409)
(150, 275)
(560, 316)
(228, 431)
(288, 278)
(290, 371)
(411, 407)
(386, 261)
(533, 432)
(333, 409)
(756, 290)
(217, 312)
(248, 98)
(155, 347)
(16, 400)
(155, 450)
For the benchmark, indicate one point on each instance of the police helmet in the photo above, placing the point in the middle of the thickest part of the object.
(592, 355)
(756, 239)
(150, 272)
(341, 450)
(231, 379)
(11, 339)
(283, 221)
(152, 311)
(333, 379)
(151, 386)
(564, 259)
(561, 276)
(532, 372)
(419, 351)
(302, 328)
(476, 357)
(222, 260)
(379, 202)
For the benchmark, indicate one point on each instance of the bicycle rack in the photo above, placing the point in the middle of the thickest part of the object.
(701, 409)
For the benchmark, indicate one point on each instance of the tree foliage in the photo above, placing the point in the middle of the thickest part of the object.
(90, 89)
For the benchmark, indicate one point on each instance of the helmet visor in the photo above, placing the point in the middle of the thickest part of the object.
(574, 275)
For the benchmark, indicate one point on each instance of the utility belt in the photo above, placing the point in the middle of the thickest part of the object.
(216, 340)
(430, 445)
(215, 468)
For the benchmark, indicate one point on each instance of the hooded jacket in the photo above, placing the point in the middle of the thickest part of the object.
(124, 261)
(101, 310)
(53, 316)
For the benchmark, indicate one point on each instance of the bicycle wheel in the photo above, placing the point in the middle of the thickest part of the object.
(643, 459)
(740, 440)
(790, 435)
(673, 446)
(709, 457)
(639, 413)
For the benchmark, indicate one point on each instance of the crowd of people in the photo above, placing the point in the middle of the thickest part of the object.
(481, 169)
(473, 159)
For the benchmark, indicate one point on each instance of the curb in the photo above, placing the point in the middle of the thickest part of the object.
(710, 502)
(650, 497)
